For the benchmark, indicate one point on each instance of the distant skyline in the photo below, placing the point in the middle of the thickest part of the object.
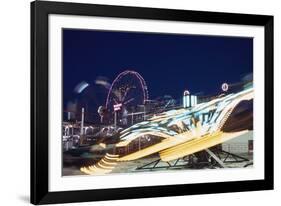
(169, 63)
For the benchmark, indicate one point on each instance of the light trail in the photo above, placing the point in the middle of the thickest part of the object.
(104, 166)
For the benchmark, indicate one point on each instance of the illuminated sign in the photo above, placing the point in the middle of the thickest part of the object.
(224, 87)
(117, 107)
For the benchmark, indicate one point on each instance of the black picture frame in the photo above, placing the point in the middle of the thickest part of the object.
(39, 102)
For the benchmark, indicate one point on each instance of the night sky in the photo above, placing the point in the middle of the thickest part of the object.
(169, 63)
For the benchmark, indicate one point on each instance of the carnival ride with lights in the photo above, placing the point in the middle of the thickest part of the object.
(180, 133)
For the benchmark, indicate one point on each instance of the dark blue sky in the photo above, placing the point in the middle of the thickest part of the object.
(168, 63)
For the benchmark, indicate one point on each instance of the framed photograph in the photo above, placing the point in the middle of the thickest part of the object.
(131, 102)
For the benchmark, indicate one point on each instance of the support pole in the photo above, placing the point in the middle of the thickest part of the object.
(115, 119)
(215, 158)
(144, 111)
(82, 127)
(82, 122)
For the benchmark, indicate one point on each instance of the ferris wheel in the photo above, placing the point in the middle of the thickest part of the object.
(127, 91)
